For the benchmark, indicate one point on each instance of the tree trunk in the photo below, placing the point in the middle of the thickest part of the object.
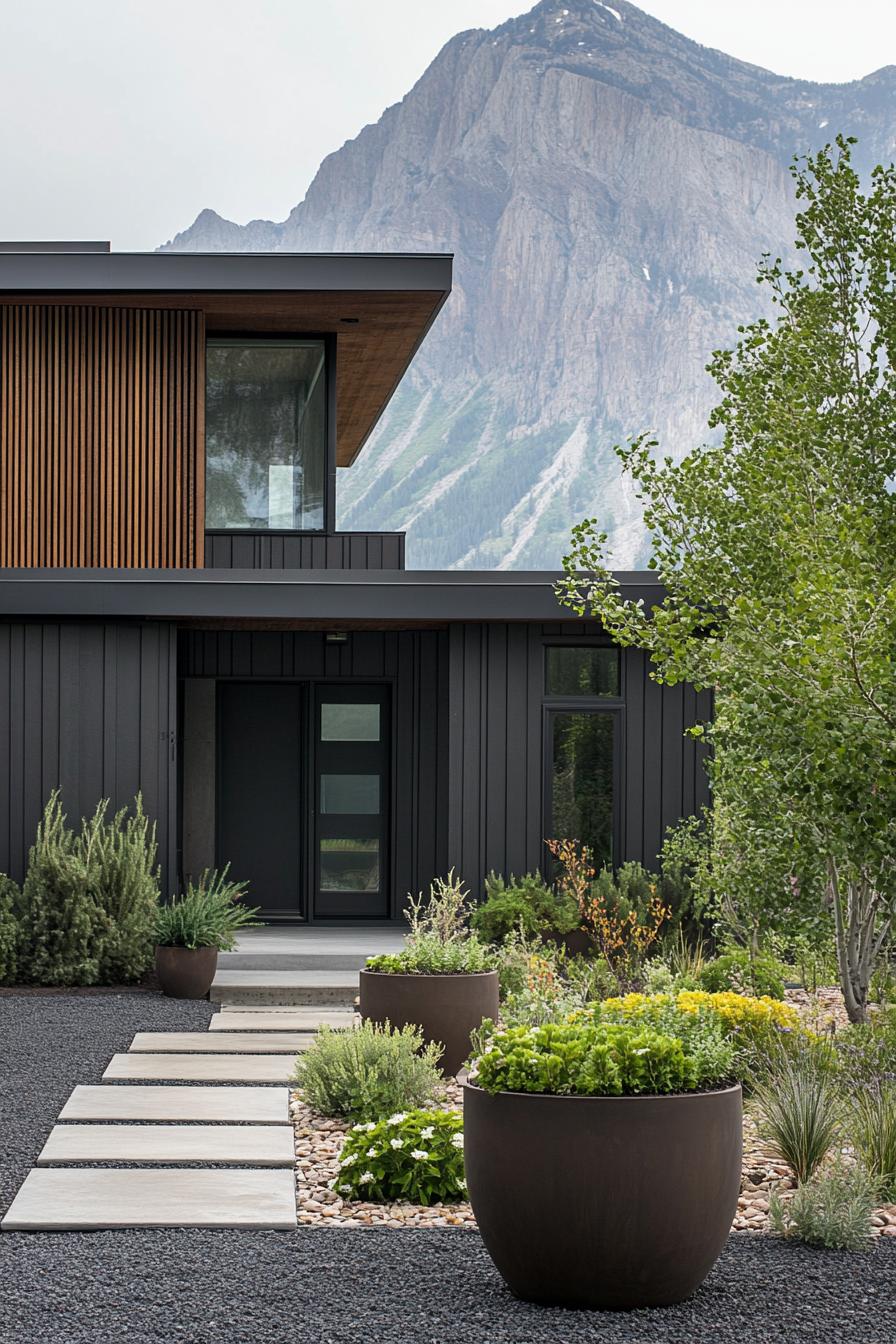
(862, 923)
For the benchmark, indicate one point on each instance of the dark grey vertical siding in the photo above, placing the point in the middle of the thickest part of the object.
(90, 709)
(495, 775)
(335, 550)
(414, 662)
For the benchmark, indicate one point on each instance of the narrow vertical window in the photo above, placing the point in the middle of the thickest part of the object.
(581, 785)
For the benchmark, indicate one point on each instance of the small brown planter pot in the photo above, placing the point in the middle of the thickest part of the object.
(603, 1202)
(446, 1007)
(186, 972)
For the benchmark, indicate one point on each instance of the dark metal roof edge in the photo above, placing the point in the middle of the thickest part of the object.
(224, 272)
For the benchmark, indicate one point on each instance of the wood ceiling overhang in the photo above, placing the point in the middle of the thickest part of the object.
(390, 302)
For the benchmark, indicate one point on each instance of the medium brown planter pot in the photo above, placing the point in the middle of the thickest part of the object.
(446, 1007)
(186, 972)
(607, 1202)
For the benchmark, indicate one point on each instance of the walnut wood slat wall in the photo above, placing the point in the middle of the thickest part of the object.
(101, 436)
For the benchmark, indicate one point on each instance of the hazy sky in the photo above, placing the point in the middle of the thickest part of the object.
(122, 119)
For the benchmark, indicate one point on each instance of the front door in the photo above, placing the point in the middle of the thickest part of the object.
(302, 797)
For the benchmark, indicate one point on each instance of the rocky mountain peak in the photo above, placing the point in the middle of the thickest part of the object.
(606, 185)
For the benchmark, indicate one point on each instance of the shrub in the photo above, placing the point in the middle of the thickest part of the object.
(757, 1028)
(366, 1072)
(418, 1156)
(743, 972)
(10, 930)
(585, 1059)
(63, 924)
(701, 1031)
(799, 1110)
(440, 941)
(208, 914)
(119, 857)
(525, 904)
(89, 899)
(872, 1111)
(832, 1210)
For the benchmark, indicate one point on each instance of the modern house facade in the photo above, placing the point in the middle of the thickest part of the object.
(180, 616)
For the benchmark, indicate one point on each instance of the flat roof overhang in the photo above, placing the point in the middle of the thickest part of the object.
(331, 597)
(379, 305)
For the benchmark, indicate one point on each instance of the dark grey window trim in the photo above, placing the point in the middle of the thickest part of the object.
(273, 339)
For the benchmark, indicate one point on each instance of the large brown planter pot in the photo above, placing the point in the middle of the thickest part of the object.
(446, 1007)
(186, 972)
(611, 1202)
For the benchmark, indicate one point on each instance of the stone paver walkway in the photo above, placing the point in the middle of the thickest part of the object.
(238, 1123)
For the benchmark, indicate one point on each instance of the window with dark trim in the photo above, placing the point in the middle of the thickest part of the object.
(581, 670)
(265, 435)
(581, 783)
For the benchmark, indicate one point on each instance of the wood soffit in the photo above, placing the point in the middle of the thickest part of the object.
(372, 354)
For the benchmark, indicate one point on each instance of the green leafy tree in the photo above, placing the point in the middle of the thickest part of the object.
(776, 546)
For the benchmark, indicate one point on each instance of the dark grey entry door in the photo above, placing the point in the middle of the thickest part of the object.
(303, 791)
(260, 794)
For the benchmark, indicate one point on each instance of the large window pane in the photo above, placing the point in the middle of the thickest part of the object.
(350, 795)
(580, 670)
(349, 723)
(582, 781)
(349, 865)
(265, 435)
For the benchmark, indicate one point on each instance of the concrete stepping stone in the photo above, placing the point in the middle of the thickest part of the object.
(66, 1199)
(234, 1105)
(242, 1145)
(279, 1019)
(203, 1068)
(252, 1043)
(286, 988)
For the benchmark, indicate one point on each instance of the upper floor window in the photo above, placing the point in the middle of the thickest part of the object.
(586, 670)
(265, 435)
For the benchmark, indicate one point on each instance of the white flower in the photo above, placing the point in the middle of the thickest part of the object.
(397, 1118)
(370, 1126)
(427, 1133)
(457, 1140)
(419, 1154)
(371, 1152)
(461, 1183)
(365, 1178)
(348, 1161)
(345, 1188)
(396, 1143)
(357, 1129)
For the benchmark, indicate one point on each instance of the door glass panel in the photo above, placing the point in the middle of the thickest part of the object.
(582, 782)
(349, 723)
(357, 794)
(349, 865)
(571, 670)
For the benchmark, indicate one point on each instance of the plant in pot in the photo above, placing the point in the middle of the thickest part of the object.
(603, 1160)
(193, 928)
(444, 980)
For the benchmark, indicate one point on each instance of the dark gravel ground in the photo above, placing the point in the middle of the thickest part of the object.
(324, 1286)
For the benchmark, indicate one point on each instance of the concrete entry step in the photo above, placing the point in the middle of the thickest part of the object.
(234, 1105)
(210, 1043)
(71, 1200)
(241, 1145)
(286, 988)
(203, 1068)
(307, 948)
(279, 1019)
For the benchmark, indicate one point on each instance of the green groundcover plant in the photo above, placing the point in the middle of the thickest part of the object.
(440, 940)
(832, 1210)
(587, 1059)
(416, 1156)
(365, 1072)
(210, 913)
